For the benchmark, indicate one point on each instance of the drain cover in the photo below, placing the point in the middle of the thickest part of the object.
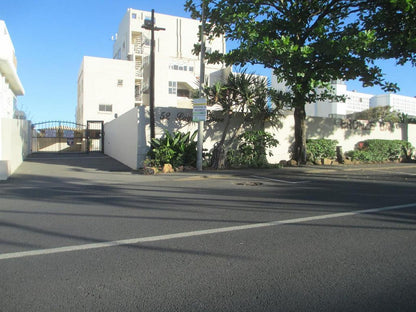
(250, 183)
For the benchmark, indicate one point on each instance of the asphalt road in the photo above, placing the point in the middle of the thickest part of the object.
(84, 233)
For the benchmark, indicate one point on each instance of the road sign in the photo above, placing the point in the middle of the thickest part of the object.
(199, 112)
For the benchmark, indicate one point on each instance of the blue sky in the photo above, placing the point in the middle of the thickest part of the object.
(51, 37)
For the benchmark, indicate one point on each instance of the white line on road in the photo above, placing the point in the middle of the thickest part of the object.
(132, 241)
(277, 180)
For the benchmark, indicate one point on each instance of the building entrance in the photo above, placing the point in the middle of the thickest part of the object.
(67, 137)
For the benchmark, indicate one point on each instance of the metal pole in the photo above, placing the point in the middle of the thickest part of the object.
(201, 82)
(152, 77)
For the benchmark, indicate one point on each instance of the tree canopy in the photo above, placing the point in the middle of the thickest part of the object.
(309, 43)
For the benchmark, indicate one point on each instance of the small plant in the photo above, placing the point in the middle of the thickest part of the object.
(381, 150)
(251, 152)
(317, 149)
(177, 149)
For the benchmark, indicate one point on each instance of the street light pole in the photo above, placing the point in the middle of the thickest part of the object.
(201, 82)
(151, 26)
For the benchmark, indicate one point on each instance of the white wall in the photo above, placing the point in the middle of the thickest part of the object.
(347, 132)
(121, 138)
(15, 138)
(122, 133)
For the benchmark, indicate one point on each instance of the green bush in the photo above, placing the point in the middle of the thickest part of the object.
(316, 149)
(176, 149)
(381, 150)
(251, 151)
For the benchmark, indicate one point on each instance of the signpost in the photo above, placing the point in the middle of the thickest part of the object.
(199, 112)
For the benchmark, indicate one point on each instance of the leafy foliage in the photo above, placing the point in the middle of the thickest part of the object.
(251, 152)
(316, 149)
(393, 22)
(376, 114)
(244, 94)
(307, 44)
(176, 149)
(382, 150)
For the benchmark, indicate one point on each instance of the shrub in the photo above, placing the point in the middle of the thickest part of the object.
(176, 149)
(316, 149)
(381, 150)
(251, 151)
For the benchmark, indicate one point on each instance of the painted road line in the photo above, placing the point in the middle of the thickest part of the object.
(278, 180)
(133, 241)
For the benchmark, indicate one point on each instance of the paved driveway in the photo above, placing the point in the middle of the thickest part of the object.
(85, 233)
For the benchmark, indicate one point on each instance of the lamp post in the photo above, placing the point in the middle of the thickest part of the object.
(201, 82)
(150, 25)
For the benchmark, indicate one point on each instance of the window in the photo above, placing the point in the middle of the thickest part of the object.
(181, 67)
(134, 16)
(172, 87)
(105, 107)
(120, 83)
(183, 93)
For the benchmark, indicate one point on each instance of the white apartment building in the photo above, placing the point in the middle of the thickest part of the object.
(105, 89)
(10, 85)
(398, 103)
(177, 69)
(355, 101)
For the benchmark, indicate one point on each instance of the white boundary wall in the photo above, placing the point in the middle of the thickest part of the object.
(15, 138)
(347, 132)
(121, 138)
(127, 137)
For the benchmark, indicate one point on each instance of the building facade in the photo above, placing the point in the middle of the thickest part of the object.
(105, 89)
(10, 85)
(177, 69)
(355, 102)
(398, 103)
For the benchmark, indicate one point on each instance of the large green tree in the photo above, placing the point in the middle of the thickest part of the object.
(309, 43)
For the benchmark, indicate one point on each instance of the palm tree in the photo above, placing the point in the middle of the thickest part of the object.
(241, 93)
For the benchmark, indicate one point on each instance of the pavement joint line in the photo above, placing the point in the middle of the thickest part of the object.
(63, 158)
(124, 242)
(278, 180)
(385, 168)
(398, 172)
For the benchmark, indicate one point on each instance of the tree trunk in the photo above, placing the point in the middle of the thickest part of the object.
(299, 151)
(218, 154)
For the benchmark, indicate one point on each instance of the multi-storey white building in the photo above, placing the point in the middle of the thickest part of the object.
(10, 85)
(105, 89)
(355, 101)
(177, 69)
(398, 103)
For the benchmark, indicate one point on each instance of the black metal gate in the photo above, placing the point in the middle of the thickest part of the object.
(67, 137)
(95, 136)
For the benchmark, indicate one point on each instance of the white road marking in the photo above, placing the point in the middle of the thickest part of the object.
(132, 241)
(281, 181)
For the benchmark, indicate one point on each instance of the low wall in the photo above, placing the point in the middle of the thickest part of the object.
(15, 135)
(127, 137)
(347, 132)
(121, 138)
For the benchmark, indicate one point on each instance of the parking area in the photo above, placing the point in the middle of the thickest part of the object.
(86, 233)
